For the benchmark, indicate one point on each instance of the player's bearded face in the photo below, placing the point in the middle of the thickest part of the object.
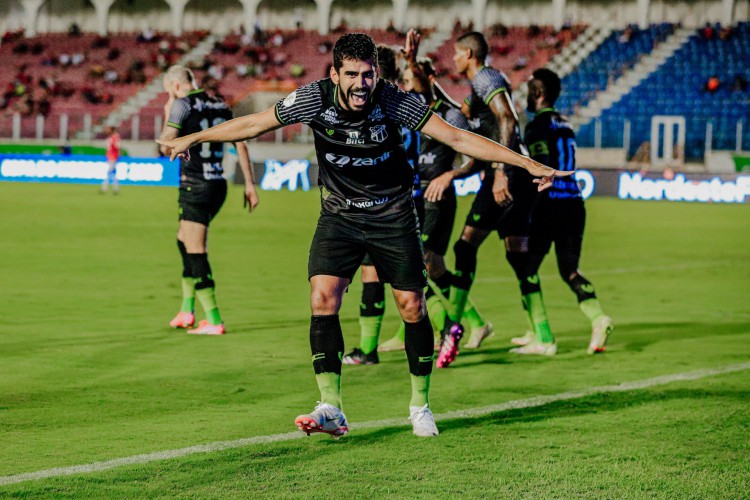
(356, 80)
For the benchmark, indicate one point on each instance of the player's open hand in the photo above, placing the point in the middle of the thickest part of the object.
(545, 174)
(500, 188)
(175, 147)
(437, 187)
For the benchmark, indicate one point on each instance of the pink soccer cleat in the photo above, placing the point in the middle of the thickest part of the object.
(449, 347)
(183, 320)
(205, 328)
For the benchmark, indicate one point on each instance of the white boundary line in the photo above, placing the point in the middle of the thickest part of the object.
(393, 422)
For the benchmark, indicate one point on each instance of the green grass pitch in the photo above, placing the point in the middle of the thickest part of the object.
(90, 371)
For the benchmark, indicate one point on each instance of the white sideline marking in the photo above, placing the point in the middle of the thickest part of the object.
(392, 422)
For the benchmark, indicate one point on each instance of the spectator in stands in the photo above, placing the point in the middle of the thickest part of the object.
(297, 70)
(241, 69)
(112, 154)
(325, 47)
(298, 18)
(111, 76)
(78, 58)
(707, 32)
(712, 85)
(277, 39)
(533, 31)
(725, 33)
(739, 84)
(625, 36)
(43, 104)
(100, 42)
(113, 54)
(521, 63)
(146, 36)
(64, 59)
(74, 30)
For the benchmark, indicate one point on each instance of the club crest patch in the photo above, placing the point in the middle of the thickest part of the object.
(378, 133)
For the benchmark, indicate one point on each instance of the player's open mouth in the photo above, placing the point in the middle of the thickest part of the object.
(358, 99)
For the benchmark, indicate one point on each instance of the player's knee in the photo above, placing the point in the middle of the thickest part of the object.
(411, 306)
(324, 301)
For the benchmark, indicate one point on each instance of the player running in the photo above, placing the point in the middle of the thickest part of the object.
(203, 190)
(559, 217)
(367, 207)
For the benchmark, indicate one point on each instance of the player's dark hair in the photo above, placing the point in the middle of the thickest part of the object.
(355, 46)
(387, 62)
(551, 83)
(476, 42)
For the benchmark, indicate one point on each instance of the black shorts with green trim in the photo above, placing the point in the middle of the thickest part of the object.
(200, 201)
(558, 221)
(340, 244)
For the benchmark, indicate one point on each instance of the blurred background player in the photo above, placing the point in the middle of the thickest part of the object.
(436, 174)
(113, 154)
(372, 306)
(559, 217)
(203, 190)
(505, 198)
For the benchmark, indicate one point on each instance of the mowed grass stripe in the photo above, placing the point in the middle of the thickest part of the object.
(396, 422)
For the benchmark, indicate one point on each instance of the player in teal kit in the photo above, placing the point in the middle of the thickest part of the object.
(559, 217)
(367, 207)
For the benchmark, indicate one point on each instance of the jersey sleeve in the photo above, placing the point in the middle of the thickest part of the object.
(300, 106)
(537, 142)
(179, 112)
(457, 119)
(405, 108)
(488, 84)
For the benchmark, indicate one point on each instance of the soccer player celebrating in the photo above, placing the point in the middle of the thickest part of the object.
(559, 217)
(367, 207)
(203, 190)
(504, 200)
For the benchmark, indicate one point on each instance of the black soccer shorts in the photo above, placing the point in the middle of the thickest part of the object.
(340, 244)
(509, 219)
(437, 225)
(201, 201)
(558, 221)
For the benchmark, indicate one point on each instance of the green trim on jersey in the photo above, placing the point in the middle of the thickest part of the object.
(424, 120)
(437, 104)
(194, 92)
(276, 112)
(546, 110)
(493, 94)
(175, 125)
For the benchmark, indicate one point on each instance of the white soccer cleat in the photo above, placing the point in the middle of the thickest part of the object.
(478, 335)
(538, 348)
(423, 421)
(527, 337)
(603, 328)
(325, 418)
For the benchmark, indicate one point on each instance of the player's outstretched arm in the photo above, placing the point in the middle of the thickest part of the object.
(481, 148)
(238, 129)
(251, 194)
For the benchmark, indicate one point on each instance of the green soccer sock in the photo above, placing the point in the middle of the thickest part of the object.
(188, 295)
(330, 388)
(592, 309)
(472, 315)
(369, 332)
(207, 298)
(420, 390)
(538, 315)
(437, 313)
(457, 303)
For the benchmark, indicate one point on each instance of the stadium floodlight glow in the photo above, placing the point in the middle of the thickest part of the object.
(290, 173)
(715, 190)
(84, 169)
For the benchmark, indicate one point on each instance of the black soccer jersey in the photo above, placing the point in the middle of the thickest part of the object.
(364, 171)
(488, 83)
(195, 112)
(551, 141)
(435, 157)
